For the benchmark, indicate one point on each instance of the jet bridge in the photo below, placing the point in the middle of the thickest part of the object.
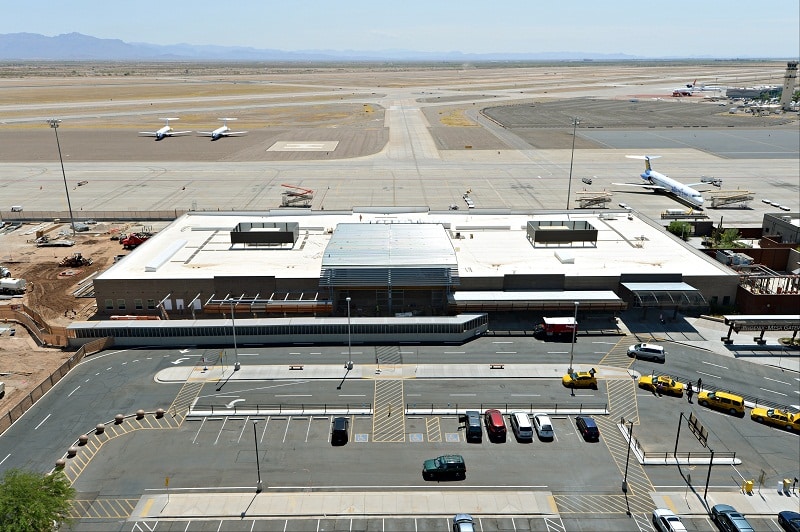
(593, 200)
(296, 196)
(730, 197)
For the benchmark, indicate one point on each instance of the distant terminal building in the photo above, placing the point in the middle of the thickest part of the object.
(762, 92)
(407, 263)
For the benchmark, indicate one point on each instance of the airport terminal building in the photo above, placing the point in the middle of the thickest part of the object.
(407, 263)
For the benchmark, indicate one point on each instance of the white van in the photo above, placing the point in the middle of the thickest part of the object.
(521, 425)
(16, 208)
(647, 351)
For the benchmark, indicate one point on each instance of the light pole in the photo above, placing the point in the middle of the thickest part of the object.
(236, 365)
(575, 122)
(258, 466)
(574, 335)
(627, 460)
(54, 124)
(349, 364)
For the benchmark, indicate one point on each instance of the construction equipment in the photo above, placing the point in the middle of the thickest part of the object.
(75, 261)
(134, 240)
(296, 196)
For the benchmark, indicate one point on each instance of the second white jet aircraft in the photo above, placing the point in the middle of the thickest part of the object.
(166, 131)
(222, 131)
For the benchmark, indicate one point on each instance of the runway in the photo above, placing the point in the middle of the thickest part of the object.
(388, 151)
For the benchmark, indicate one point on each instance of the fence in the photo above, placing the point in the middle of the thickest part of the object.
(39, 329)
(43, 387)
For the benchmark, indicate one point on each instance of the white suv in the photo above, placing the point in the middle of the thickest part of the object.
(666, 521)
(652, 352)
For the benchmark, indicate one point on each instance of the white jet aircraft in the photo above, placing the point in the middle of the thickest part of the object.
(660, 183)
(222, 131)
(166, 131)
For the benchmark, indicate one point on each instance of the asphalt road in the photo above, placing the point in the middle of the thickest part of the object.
(295, 451)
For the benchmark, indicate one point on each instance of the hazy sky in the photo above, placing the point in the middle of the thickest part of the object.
(733, 28)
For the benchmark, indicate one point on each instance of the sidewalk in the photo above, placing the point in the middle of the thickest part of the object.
(417, 503)
(766, 501)
(423, 502)
(384, 371)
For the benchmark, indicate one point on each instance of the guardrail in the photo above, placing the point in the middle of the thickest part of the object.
(280, 409)
(507, 408)
(725, 457)
(301, 409)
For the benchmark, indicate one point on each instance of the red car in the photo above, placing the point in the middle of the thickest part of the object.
(495, 424)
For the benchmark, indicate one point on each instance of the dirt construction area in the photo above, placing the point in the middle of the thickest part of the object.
(51, 292)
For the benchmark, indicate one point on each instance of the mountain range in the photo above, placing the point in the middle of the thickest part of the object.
(79, 47)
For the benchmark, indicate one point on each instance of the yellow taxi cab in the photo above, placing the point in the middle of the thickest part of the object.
(668, 385)
(776, 418)
(580, 379)
(724, 401)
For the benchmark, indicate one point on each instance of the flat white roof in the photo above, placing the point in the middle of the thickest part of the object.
(490, 244)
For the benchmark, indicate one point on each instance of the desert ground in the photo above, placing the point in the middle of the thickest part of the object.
(103, 107)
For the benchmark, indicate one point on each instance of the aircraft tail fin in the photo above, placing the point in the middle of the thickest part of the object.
(646, 158)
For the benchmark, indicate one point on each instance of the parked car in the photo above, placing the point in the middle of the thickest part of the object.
(495, 425)
(543, 426)
(789, 520)
(647, 351)
(666, 521)
(588, 428)
(776, 418)
(669, 385)
(729, 520)
(580, 379)
(472, 424)
(521, 426)
(463, 523)
(339, 435)
(449, 465)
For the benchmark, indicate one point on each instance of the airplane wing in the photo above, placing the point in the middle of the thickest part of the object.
(643, 185)
(148, 134)
(176, 133)
(206, 133)
(234, 133)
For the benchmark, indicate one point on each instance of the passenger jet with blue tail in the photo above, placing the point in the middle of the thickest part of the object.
(660, 183)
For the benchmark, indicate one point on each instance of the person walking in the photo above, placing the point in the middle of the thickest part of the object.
(689, 391)
(699, 385)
